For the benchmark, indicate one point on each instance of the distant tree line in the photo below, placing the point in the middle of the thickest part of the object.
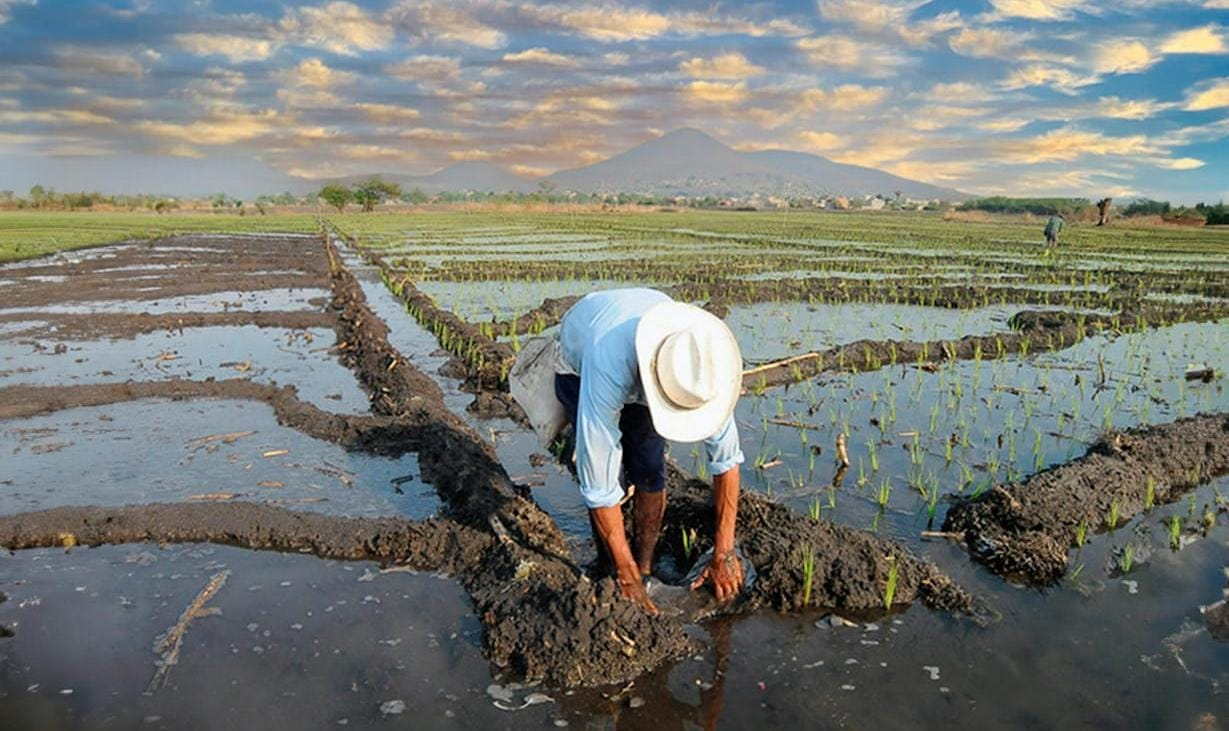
(1211, 214)
(47, 198)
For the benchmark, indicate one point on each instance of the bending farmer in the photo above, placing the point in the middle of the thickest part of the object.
(1054, 226)
(632, 368)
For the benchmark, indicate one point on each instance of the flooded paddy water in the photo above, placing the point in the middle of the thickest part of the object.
(301, 640)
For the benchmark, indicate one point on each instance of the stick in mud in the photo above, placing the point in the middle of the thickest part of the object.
(168, 645)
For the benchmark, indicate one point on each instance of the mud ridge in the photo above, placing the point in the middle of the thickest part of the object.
(1035, 331)
(58, 326)
(851, 565)
(1024, 530)
(381, 435)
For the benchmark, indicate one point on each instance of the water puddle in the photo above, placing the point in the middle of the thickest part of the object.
(266, 355)
(171, 451)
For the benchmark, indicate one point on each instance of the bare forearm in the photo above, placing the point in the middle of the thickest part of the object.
(725, 503)
(610, 528)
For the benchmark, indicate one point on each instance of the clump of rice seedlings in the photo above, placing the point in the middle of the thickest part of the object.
(872, 454)
(1081, 534)
(808, 575)
(1113, 515)
(689, 542)
(885, 492)
(814, 508)
(1175, 532)
(1128, 557)
(889, 588)
(1150, 493)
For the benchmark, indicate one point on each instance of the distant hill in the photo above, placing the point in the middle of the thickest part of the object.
(683, 162)
(473, 175)
(690, 162)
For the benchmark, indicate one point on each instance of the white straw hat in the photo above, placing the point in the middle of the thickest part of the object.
(691, 370)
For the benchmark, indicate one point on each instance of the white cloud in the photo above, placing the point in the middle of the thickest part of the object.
(821, 141)
(234, 47)
(846, 53)
(221, 128)
(539, 56)
(6, 8)
(446, 21)
(1126, 56)
(1069, 143)
(1209, 95)
(1206, 39)
(1063, 79)
(1181, 163)
(722, 66)
(1036, 9)
(338, 27)
(426, 68)
(715, 92)
(387, 113)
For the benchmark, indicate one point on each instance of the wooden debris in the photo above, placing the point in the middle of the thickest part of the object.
(274, 453)
(229, 438)
(842, 455)
(214, 496)
(792, 423)
(169, 644)
(780, 363)
(270, 483)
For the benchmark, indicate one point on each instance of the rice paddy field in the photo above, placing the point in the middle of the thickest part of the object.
(985, 482)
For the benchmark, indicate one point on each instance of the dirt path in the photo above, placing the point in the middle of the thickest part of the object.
(1024, 530)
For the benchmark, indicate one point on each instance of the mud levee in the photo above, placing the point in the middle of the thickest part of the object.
(175, 266)
(382, 435)
(58, 326)
(1024, 530)
(851, 566)
(1035, 331)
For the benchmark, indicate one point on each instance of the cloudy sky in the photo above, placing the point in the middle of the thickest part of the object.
(1026, 97)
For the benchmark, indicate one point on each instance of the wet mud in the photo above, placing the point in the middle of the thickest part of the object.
(174, 266)
(1024, 531)
(1033, 332)
(851, 566)
(543, 616)
(60, 326)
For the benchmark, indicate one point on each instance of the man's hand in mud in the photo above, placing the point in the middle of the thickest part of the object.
(725, 572)
(634, 590)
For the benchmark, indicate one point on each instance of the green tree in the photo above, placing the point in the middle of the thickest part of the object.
(337, 196)
(370, 193)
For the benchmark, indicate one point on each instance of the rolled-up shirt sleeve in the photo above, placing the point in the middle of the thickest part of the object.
(723, 448)
(599, 451)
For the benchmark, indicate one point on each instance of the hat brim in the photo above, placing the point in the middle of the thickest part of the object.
(674, 422)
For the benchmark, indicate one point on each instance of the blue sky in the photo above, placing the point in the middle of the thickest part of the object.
(1024, 97)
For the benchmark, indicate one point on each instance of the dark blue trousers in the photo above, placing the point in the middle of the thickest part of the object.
(644, 451)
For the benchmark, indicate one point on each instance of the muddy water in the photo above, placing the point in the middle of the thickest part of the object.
(1104, 650)
(298, 643)
(297, 299)
(169, 451)
(265, 355)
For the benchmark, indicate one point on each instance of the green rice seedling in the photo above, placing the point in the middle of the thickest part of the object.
(872, 454)
(1081, 534)
(1175, 532)
(885, 492)
(1128, 557)
(689, 542)
(889, 588)
(1150, 493)
(814, 508)
(1076, 574)
(1209, 518)
(808, 575)
(932, 501)
(1112, 516)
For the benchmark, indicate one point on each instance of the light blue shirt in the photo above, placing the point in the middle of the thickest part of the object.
(598, 342)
